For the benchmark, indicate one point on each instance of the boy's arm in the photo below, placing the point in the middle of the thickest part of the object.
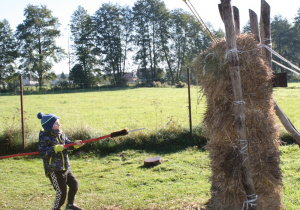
(44, 149)
(68, 141)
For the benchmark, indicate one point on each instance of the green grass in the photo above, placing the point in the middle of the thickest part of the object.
(289, 101)
(106, 111)
(117, 180)
(291, 176)
(120, 180)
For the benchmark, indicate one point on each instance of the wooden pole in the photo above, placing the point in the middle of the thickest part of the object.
(190, 110)
(287, 123)
(265, 31)
(221, 11)
(238, 105)
(236, 16)
(22, 112)
(254, 25)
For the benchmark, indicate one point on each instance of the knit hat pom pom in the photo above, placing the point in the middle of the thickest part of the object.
(40, 115)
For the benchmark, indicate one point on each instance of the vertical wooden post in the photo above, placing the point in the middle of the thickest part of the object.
(238, 105)
(221, 11)
(190, 110)
(236, 16)
(254, 25)
(265, 31)
(22, 112)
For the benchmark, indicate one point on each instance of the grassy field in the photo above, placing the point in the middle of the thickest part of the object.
(120, 181)
(107, 111)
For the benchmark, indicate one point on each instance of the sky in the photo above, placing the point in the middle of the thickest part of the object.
(12, 10)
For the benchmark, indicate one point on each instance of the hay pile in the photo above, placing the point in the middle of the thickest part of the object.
(262, 131)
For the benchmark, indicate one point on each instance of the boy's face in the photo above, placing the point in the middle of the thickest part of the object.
(56, 125)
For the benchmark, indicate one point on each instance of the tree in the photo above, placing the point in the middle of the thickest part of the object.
(8, 49)
(77, 74)
(247, 28)
(63, 76)
(36, 37)
(83, 32)
(282, 39)
(296, 35)
(151, 34)
(113, 30)
(187, 40)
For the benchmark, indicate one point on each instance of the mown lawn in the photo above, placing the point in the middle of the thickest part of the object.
(106, 111)
(120, 180)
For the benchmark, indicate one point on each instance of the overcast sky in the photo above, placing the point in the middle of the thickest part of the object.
(12, 10)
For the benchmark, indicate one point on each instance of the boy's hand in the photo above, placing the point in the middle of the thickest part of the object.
(79, 143)
(58, 148)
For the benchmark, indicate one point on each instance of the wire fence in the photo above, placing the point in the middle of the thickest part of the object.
(150, 111)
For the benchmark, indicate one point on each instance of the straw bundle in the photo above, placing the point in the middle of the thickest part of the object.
(262, 131)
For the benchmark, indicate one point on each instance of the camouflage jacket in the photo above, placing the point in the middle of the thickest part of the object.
(53, 161)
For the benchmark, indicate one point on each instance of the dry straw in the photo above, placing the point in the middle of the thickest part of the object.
(212, 70)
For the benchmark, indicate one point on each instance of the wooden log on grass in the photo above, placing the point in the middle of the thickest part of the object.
(239, 107)
(152, 161)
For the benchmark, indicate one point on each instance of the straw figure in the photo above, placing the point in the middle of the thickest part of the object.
(227, 190)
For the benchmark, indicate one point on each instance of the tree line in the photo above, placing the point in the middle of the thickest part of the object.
(160, 42)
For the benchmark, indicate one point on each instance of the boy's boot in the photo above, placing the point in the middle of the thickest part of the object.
(73, 207)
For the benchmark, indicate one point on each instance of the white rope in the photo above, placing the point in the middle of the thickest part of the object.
(231, 51)
(279, 56)
(283, 66)
(249, 202)
(244, 149)
(265, 39)
(235, 103)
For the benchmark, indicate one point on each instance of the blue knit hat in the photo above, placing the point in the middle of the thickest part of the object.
(47, 120)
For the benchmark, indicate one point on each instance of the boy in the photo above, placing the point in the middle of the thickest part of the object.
(56, 160)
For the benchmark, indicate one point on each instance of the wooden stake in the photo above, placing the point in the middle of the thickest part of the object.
(236, 16)
(287, 123)
(239, 108)
(22, 112)
(265, 31)
(254, 25)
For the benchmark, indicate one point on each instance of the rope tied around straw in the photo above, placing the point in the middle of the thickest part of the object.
(250, 201)
(229, 51)
(236, 103)
(244, 148)
(213, 54)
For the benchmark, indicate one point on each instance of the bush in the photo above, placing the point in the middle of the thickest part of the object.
(159, 84)
(180, 85)
(165, 139)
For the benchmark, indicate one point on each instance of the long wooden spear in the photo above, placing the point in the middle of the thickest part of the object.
(112, 135)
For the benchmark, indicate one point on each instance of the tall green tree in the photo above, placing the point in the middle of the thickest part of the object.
(36, 37)
(296, 35)
(83, 32)
(151, 35)
(282, 39)
(8, 51)
(113, 36)
(187, 40)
